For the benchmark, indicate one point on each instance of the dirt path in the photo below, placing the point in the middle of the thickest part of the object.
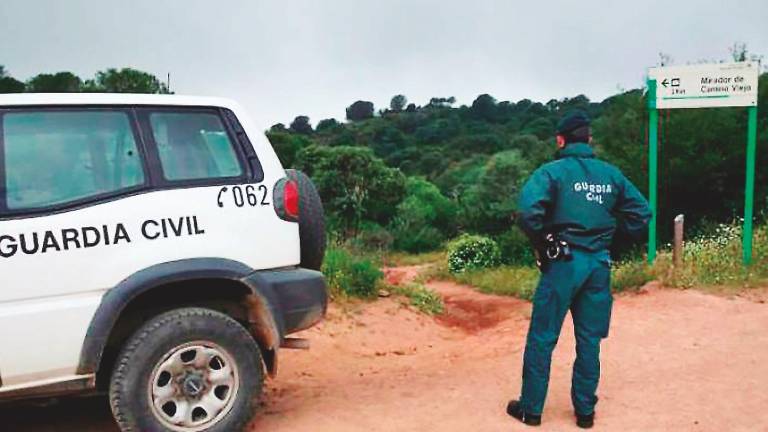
(675, 360)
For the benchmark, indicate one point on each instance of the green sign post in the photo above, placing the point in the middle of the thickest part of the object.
(653, 164)
(749, 189)
(702, 86)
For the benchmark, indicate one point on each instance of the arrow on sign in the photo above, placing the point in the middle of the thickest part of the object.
(675, 82)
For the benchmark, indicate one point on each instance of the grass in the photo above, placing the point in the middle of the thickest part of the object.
(631, 274)
(712, 262)
(422, 298)
(505, 280)
(516, 281)
(405, 259)
(715, 260)
(353, 273)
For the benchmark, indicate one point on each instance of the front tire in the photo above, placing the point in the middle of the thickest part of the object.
(187, 370)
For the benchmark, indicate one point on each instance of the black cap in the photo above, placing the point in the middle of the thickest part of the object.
(572, 121)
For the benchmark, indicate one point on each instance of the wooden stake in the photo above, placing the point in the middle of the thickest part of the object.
(677, 252)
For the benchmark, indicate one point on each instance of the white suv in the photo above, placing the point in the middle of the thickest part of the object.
(152, 247)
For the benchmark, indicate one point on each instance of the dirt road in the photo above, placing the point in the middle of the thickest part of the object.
(675, 360)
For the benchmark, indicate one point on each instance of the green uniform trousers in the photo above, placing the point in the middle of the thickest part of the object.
(581, 285)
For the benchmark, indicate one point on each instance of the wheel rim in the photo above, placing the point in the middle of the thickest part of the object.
(193, 386)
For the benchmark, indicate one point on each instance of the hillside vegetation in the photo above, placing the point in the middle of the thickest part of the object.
(408, 178)
(412, 177)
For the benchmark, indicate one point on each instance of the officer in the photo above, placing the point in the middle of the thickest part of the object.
(570, 209)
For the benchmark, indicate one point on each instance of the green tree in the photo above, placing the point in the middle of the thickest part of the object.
(398, 103)
(384, 139)
(327, 125)
(489, 205)
(287, 146)
(469, 153)
(8, 84)
(441, 102)
(439, 130)
(739, 52)
(484, 107)
(620, 135)
(425, 218)
(461, 175)
(60, 82)
(125, 80)
(534, 150)
(487, 143)
(541, 127)
(360, 110)
(355, 185)
(301, 125)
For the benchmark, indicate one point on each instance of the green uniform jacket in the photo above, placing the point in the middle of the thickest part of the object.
(582, 199)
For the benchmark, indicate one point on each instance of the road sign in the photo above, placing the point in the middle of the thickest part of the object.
(706, 85)
(702, 86)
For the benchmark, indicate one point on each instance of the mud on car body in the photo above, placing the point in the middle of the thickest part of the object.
(151, 247)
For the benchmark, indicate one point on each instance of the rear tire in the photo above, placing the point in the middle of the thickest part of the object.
(187, 370)
(311, 221)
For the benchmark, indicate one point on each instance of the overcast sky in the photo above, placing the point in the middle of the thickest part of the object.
(282, 58)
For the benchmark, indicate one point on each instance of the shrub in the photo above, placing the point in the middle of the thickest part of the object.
(422, 239)
(423, 218)
(471, 252)
(515, 248)
(354, 184)
(422, 298)
(488, 204)
(373, 236)
(349, 275)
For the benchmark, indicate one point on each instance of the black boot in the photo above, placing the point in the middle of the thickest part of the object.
(585, 421)
(515, 410)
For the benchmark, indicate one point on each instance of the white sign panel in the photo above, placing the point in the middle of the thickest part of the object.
(706, 85)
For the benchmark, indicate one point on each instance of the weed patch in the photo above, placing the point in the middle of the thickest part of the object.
(422, 298)
(350, 275)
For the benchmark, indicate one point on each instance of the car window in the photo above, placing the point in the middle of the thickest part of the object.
(193, 145)
(55, 157)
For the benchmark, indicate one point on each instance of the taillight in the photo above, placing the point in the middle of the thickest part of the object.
(291, 199)
(285, 197)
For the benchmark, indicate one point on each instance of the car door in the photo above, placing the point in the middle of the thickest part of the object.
(211, 179)
(67, 176)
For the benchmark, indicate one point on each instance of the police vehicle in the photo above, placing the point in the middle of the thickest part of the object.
(151, 247)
